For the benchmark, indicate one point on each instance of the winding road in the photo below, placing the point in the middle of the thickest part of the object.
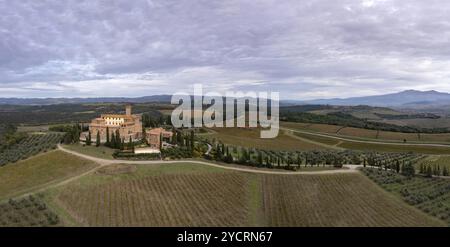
(105, 162)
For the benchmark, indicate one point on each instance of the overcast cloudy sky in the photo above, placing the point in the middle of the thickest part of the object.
(303, 49)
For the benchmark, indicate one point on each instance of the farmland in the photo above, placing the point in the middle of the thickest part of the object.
(320, 139)
(367, 134)
(363, 133)
(31, 145)
(250, 138)
(28, 211)
(166, 195)
(189, 194)
(431, 195)
(38, 171)
(363, 145)
(325, 128)
(163, 201)
(195, 195)
(335, 200)
(394, 148)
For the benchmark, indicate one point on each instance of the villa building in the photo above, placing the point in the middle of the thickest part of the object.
(156, 135)
(129, 125)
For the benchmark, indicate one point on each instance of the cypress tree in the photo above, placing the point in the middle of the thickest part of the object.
(267, 162)
(130, 143)
(118, 139)
(88, 139)
(445, 171)
(143, 134)
(192, 140)
(97, 140)
(112, 144)
(107, 136)
(429, 172)
(259, 158)
(174, 136)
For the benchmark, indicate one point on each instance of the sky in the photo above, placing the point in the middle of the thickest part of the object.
(301, 49)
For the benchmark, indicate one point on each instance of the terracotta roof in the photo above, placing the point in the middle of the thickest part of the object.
(157, 131)
(117, 116)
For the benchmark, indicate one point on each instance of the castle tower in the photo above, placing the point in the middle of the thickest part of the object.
(128, 110)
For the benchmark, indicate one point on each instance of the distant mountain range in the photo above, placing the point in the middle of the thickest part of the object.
(52, 101)
(409, 99)
(405, 99)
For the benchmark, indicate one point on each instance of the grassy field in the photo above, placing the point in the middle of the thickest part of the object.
(251, 138)
(325, 128)
(442, 122)
(364, 133)
(39, 170)
(382, 147)
(324, 140)
(387, 135)
(393, 148)
(99, 152)
(435, 137)
(196, 195)
(359, 133)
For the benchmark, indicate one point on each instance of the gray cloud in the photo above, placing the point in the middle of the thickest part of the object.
(304, 49)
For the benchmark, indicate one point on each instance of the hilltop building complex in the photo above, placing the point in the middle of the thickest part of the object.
(128, 125)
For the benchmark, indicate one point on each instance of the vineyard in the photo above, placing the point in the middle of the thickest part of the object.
(169, 200)
(29, 211)
(431, 195)
(193, 195)
(29, 146)
(334, 200)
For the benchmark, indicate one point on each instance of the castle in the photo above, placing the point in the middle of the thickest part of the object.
(128, 125)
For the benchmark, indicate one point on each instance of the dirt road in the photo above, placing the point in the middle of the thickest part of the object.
(103, 162)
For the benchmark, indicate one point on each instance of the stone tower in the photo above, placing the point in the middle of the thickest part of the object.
(128, 110)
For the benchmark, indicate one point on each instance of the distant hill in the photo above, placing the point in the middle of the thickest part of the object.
(404, 99)
(409, 99)
(52, 101)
